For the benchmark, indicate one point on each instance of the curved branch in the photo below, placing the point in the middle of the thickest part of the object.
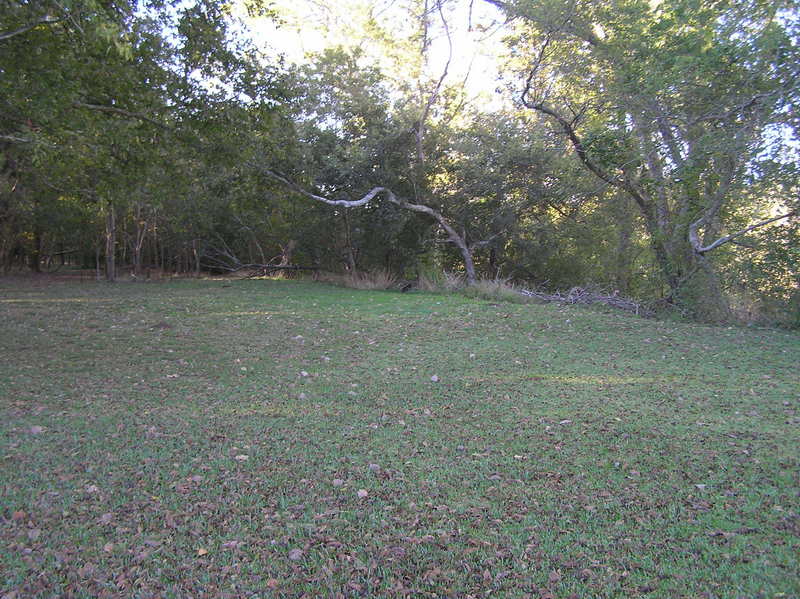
(576, 141)
(583, 155)
(370, 195)
(452, 234)
(700, 249)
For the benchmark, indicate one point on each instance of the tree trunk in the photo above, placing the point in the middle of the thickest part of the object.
(694, 286)
(196, 255)
(111, 242)
(494, 267)
(36, 251)
(140, 234)
(466, 256)
(698, 291)
(623, 260)
(350, 254)
(97, 262)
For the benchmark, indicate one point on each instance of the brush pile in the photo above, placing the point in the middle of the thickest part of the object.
(585, 296)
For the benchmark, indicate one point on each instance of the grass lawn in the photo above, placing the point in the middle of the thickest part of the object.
(286, 439)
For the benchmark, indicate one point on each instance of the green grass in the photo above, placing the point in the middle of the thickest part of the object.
(563, 452)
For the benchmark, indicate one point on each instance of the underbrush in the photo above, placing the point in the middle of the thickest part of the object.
(767, 311)
(440, 282)
(744, 310)
(496, 290)
(369, 281)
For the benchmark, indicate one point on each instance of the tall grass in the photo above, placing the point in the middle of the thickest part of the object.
(372, 280)
(496, 290)
(440, 281)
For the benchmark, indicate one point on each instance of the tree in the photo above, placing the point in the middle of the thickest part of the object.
(671, 104)
(116, 108)
(351, 109)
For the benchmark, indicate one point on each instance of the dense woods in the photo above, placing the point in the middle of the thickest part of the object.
(646, 148)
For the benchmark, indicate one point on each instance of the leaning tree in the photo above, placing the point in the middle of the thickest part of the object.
(671, 103)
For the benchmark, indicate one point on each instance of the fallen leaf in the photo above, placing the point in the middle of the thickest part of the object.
(201, 551)
(108, 547)
(296, 555)
(232, 544)
(87, 570)
(362, 493)
(272, 583)
(721, 533)
(18, 515)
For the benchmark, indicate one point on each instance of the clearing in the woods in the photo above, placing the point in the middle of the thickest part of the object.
(288, 439)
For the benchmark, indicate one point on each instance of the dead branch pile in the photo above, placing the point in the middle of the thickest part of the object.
(221, 258)
(582, 295)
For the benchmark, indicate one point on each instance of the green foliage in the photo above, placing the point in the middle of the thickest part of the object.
(166, 113)
(672, 104)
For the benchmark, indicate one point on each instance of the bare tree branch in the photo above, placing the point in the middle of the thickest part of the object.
(369, 196)
(15, 140)
(700, 249)
(453, 236)
(25, 28)
(583, 155)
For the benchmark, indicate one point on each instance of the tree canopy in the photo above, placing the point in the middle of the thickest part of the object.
(649, 148)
